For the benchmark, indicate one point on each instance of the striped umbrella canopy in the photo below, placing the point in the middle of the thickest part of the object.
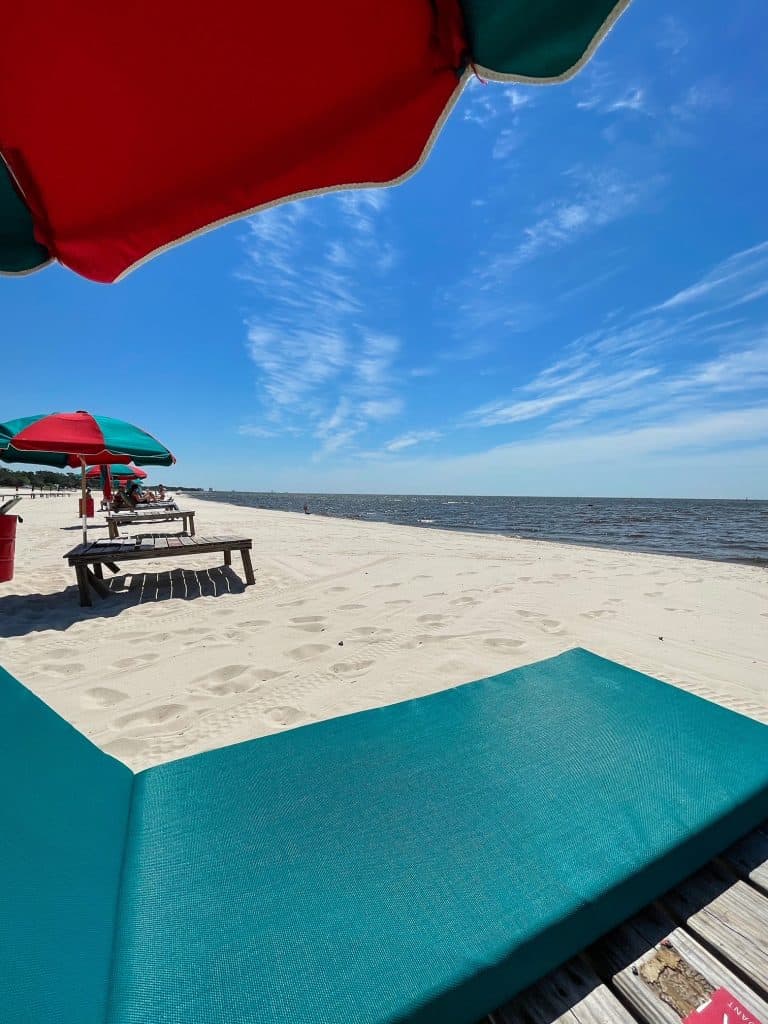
(232, 107)
(117, 471)
(79, 439)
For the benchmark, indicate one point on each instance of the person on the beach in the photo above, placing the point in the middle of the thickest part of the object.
(306, 509)
(135, 493)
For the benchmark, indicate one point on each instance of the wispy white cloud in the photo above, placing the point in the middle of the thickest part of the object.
(568, 390)
(314, 268)
(672, 35)
(646, 368)
(592, 200)
(633, 99)
(410, 440)
(741, 278)
(255, 430)
(483, 103)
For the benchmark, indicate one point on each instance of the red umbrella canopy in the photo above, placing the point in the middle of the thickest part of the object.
(127, 127)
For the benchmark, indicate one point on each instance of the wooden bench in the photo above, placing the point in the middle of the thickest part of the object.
(88, 559)
(117, 519)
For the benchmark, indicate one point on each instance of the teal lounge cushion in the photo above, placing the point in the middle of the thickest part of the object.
(421, 862)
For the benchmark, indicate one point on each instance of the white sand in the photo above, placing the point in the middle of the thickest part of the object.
(159, 671)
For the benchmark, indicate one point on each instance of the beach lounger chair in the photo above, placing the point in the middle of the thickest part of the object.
(421, 862)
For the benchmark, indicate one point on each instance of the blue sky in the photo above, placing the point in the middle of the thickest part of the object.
(571, 297)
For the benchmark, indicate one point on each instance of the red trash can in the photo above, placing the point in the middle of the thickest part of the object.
(7, 547)
(88, 507)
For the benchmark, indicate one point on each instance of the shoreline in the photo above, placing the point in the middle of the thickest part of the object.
(351, 614)
(758, 563)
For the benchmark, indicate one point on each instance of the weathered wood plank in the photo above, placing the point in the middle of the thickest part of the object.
(729, 915)
(662, 972)
(573, 994)
(749, 858)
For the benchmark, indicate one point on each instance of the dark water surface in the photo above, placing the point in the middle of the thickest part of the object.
(732, 531)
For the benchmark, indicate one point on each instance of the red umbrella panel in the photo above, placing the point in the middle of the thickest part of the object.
(125, 128)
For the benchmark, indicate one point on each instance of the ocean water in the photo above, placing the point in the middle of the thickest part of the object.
(731, 531)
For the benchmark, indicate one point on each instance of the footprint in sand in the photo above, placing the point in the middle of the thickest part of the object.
(124, 747)
(201, 638)
(253, 623)
(464, 602)
(336, 590)
(349, 668)
(653, 593)
(282, 716)
(102, 697)
(598, 613)
(309, 623)
(307, 651)
(293, 604)
(438, 593)
(139, 661)
(525, 614)
(385, 586)
(503, 643)
(61, 653)
(524, 579)
(150, 716)
(395, 604)
(421, 577)
(225, 680)
(351, 607)
(550, 626)
(467, 572)
(432, 620)
(370, 631)
(53, 669)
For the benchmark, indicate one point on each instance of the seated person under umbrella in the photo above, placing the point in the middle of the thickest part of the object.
(135, 494)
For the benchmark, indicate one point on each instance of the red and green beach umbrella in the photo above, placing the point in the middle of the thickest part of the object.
(125, 128)
(79, 439)
(117, 472)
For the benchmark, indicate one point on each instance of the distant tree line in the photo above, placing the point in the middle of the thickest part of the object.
(43, 478)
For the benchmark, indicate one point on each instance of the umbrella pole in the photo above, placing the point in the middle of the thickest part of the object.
(85, 517)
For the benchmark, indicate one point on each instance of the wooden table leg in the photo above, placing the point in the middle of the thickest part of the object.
(112, 527)
(82, 586)
(192, 525)
(113, 568)
(96, 583)
(250, 579)
(98, 572)
(227, 557)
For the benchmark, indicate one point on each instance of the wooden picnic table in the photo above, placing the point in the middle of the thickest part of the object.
(117, 519)
(710, 932)
(88, 559)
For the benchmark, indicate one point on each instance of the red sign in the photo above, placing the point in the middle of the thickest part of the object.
(722, 1008)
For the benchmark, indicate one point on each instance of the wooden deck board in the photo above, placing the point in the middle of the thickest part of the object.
(749, 858)
(730, 916)
(663, 973)
(653, 969)
(573, 994)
